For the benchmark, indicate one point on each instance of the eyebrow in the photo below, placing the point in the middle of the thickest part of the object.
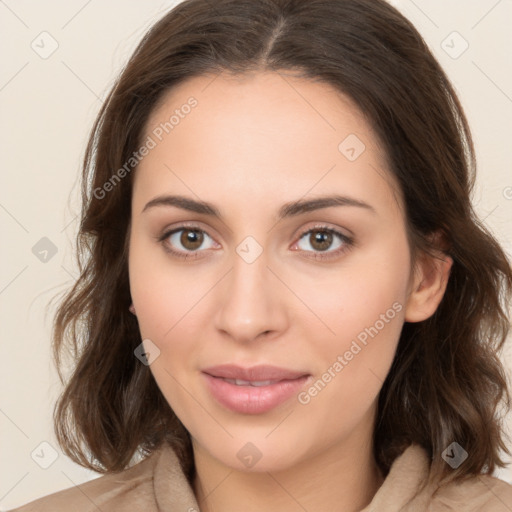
(291, 209)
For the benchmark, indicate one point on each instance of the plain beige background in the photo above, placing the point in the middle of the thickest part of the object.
(59, 60)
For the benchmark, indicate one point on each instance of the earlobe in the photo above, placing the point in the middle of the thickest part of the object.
(428, 288)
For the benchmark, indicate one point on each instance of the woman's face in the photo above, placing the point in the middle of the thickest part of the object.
(320, 290)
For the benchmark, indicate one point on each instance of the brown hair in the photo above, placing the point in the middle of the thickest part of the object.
(446, 381)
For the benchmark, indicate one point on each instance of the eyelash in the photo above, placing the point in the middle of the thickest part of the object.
(347, 242)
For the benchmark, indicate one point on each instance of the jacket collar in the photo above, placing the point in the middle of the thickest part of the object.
(399, 491)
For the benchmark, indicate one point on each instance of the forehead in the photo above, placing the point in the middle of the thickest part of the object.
(262, 131)
(271, 103)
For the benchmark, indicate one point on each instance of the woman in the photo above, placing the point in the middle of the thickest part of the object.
(288, 303)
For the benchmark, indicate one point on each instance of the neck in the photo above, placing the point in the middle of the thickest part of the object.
(343, 477)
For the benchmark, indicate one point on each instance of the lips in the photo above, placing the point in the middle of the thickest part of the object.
(259, 373)
(253, 390)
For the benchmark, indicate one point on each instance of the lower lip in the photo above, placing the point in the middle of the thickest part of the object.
(252, 399)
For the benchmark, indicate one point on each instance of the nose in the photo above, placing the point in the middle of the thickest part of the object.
(251, 302)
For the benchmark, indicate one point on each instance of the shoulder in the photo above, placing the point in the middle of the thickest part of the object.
(407, 489)
(131, 489)
(481, 493)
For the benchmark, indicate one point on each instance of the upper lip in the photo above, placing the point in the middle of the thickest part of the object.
(254, 373)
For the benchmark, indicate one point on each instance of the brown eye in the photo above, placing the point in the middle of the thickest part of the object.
(321, 240)
(324, 242)
(186, 241)
(191, 239)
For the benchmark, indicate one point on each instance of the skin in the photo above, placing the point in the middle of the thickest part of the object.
(252, 144)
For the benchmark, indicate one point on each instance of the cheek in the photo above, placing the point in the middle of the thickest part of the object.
(165, 300)
(363, 305)
(352, 365)
(367, 289)
(162, 292)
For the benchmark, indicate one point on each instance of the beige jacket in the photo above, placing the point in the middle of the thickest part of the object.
(157, 484)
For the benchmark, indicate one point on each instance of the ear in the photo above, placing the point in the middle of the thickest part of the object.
(428, 283)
